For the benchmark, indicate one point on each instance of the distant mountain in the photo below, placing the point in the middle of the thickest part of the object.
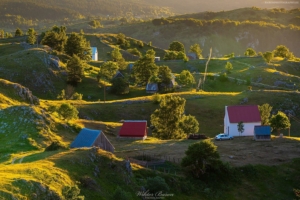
(226, 32)
(190, 6)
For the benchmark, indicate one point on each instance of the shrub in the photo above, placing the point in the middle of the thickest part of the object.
(157, 184)
(77, 96)
(55, 146)
(71, 193)
(121, 194)
(67, 111)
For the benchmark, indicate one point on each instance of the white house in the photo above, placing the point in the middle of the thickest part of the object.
(248, 114)
(94, 53)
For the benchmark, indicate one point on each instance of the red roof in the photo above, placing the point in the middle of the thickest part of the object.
(246, 114)
(133, 129)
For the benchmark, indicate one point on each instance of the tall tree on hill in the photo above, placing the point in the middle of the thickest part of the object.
(31, 38)
(176, 46)
(268, 56)
(265, 112)
(145, 67)
(279, 121)
(2, 34)
(165, 74)
(107, 71)
(75, 70)
(117, 57)
(282, 51)
(195, 48)
(186, 78)
(56, 38)
(250, 52)
(78, 45)
(18, 32)
(166, 119)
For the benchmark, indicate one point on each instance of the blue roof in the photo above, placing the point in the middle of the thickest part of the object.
(86, 138)
(262, 130)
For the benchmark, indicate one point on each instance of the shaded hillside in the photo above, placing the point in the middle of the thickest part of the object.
(190, 6)
(276, 16)
(224, 36)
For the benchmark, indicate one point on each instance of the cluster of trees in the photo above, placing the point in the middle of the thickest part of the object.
(95, 24)
(176, 51)
(169, 120)
(280, 51)
(277, 122)
(220, 23)
(76, 46)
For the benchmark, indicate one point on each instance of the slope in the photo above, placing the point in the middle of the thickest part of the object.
(32, 68)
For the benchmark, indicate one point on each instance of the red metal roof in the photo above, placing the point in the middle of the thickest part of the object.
(249, 113)
(133, 129)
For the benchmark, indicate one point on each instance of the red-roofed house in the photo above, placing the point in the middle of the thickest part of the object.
(248, 114)
(134, 129)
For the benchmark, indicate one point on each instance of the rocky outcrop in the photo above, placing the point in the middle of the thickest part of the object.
(24, 93)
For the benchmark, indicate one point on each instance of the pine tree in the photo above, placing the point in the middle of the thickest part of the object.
(75, 70)
(78, 45)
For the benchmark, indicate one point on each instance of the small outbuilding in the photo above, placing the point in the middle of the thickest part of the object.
(152, 88)
(134, 129)
(94, 53)
(92, 138)
(262, 133)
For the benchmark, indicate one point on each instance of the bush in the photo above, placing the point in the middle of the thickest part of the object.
(156, 98)
(157, 184)
(55, 146)
(77, 96)
(67, 111)
(120, 194)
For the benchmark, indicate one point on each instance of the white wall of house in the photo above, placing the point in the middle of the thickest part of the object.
(232, 129)
(94, 53)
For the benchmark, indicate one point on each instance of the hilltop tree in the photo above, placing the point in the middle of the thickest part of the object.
(56, 38)
(167, 117)
(197, 50)
(78, 45)
(282, 51)
(107, 70)
(268, 56)
(189, 124)
(119, 86)
(2, 33)
(279, 121)
(31, 39)
(145, 67)
(95, 23)
(18, 32)
(201, 158)
(240, 127)
(75, 70)
(176, 46)
(186, 78)
(117, 57)
(121, 39)
(250, 52)
(228, 67)
(165, 74)
(265, 112)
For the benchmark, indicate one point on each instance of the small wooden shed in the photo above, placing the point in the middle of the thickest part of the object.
(92, 138)
(262, 133)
